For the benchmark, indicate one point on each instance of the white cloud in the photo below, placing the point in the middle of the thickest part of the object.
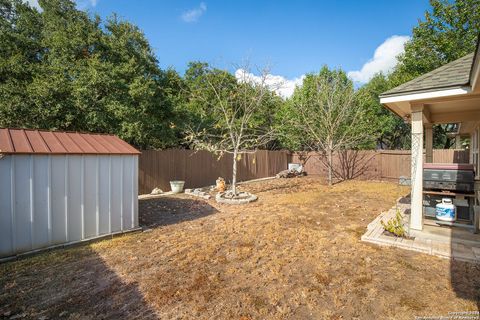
(194, 14)
(281, 85)
(384, 59)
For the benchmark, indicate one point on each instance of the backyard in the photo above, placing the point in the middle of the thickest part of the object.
(295, 253)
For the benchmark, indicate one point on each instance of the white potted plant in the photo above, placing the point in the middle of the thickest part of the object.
(177, 186)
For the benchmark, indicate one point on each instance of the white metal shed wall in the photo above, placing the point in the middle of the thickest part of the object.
(47, 200)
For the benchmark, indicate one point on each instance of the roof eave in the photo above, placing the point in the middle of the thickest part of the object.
(425, 94)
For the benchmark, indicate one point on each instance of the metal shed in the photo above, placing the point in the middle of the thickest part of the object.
(59, 188)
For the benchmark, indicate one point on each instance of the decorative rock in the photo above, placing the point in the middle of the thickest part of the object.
(156, 191)
(198, 193)
(290, 174)
(220, 187)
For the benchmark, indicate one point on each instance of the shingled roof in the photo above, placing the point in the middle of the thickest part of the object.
(453, 74)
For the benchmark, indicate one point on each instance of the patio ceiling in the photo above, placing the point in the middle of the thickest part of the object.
(459, 108)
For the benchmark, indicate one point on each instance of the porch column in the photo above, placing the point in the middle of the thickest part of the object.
(416, 216)
(428, 142)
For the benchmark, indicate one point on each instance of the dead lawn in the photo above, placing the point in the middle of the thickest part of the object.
(294, 254)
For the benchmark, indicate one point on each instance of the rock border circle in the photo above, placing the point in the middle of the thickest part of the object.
(249, 198)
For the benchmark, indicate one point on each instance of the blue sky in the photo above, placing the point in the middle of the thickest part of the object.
(294, 37)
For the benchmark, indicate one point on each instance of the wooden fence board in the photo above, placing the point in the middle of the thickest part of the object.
(201, 168)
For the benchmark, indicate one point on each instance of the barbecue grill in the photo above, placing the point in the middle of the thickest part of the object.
(452, 177)
(448, 180)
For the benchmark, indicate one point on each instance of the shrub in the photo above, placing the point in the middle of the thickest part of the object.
(395, 225)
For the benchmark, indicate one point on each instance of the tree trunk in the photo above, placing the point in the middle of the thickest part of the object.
(234, 172)
(330, 164)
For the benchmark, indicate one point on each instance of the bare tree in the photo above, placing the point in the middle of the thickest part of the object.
(328, 115)
(234, 122)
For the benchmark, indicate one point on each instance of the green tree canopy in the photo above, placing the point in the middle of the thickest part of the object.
(391, 131)
(449, 31)
(63, 70)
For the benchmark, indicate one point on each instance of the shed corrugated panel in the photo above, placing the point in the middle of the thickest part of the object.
(47, 200)
(55, 142)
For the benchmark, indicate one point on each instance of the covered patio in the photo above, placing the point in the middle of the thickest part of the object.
(447, 95)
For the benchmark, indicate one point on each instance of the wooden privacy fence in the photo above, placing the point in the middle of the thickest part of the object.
(396, 163)
(374, 165)
(201, 168)
(346, 165)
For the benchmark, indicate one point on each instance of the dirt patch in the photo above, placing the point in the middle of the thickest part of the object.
(294, 254)
(164, 210)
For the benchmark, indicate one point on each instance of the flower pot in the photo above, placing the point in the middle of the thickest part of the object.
(177, 186)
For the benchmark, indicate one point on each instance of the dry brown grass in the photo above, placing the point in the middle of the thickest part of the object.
(294, 254)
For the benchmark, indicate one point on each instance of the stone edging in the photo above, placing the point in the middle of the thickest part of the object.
(220, 199)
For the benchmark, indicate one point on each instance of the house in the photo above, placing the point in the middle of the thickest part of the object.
(447, 95)
(60, 188)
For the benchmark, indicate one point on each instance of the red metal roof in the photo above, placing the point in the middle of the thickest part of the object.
(56, 142)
